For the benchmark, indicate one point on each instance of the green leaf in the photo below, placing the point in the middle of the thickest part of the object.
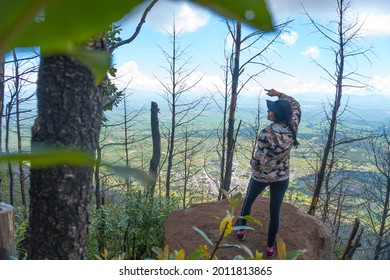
(126, 172)
(15, 16)
(55, 25)
(226, 194)
(237, 197)
(63, 25)
(205, 237)
(293, 255)
(98, 61)
(242, 228)
(243, 247)
(228, 246)
(158, 251)
(65, 22)
(197, 255)
(251, 12)
(47, 157)
(252, 219)
(247, 250)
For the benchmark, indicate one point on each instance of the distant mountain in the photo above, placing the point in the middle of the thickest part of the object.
(370, 108)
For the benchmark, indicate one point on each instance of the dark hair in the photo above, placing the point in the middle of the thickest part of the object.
(290, 125)
(294, 133)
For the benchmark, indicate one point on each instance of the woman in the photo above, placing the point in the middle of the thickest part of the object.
(270, 162)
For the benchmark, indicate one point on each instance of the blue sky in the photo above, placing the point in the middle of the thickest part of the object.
(204, 33)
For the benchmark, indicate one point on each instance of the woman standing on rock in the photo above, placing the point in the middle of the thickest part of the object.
(270, 162)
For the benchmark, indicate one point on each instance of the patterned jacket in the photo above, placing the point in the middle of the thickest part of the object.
(273, 148)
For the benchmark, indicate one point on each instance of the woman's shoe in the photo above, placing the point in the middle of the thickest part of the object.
(240, 234)
(271, 251)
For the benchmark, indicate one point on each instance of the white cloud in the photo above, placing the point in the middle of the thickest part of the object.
(129, 76)
(376, 23)
(381, 85)
(207, 83)
(312, 52)
(282, 8)
(294, 84)
(187, 17)
(320, 8)
(378, 85)
(290, 38)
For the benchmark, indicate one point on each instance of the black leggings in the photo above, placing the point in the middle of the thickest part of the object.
(277, 191)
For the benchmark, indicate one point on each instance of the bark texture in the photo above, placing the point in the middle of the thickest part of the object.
(155, 161)
(69, 115)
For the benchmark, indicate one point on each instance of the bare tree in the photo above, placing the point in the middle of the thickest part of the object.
(343, 37)
(137, 30)
(2, 90)
(21, 67)
(377, 196)
(192, 143)
(241, 45)
(130, 138)
(183, 110)
(156, 138)
(8, 112)
(353, 241)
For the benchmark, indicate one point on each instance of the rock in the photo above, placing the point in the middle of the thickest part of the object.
(297, 229)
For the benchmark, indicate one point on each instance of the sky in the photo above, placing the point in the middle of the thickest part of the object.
(296, 54)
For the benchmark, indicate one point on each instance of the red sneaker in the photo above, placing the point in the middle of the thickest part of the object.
(271, 251)
(240, 234)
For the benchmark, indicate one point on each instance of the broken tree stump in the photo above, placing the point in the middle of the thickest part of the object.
(353, 241)
(7, 224)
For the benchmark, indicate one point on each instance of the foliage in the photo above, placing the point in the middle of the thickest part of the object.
(108, 88)
(128, 228)
(47, 156)
(21, 236)
(66, 25)
(252, 12)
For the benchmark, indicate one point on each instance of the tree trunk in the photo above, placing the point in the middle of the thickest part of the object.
(7, 244)
(69, 115)
(385, 216)
(353, 241)
(155, 161)
(232, 111)
(2, 89)
(127, 158)
(19, 134)
(7, 144)
(171, 147)
(333, 119)
(223, 138)
(98, 191)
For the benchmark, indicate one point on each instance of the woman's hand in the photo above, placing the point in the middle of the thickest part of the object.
(272, 92)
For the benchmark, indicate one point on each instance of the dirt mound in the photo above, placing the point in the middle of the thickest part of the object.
(297, 229)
